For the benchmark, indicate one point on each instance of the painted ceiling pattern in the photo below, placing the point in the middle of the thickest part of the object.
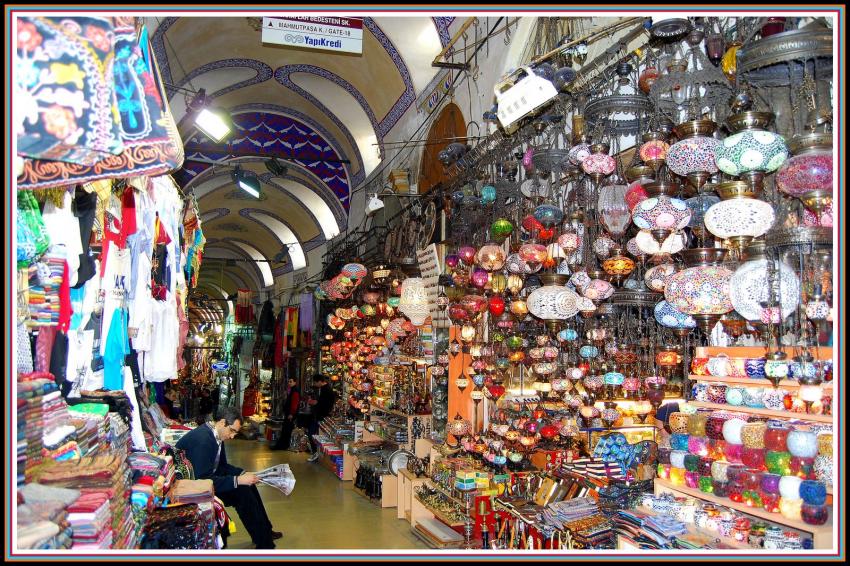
(271, 135)
(286, 103)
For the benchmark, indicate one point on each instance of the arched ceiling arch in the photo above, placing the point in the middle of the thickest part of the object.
(282, 231)
(229, 280)
(263, 134)
(219, 193)
(248, 269)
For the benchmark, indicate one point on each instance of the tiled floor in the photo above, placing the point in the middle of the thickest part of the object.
(322, 512)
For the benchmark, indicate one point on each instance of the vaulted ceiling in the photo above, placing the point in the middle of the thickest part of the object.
(326, 113)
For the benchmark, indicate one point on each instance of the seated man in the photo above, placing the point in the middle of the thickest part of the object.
(234, 486)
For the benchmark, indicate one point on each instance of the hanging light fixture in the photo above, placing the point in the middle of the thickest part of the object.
(739, 217)
(248, 182)
(753, 150)
(751, 285)
(414, 300)
(702, 290)
(693, 155)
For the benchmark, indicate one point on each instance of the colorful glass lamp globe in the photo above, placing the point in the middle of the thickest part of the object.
(501, 228)
(693, 156)
(553, 301)
(598, 164)
(669, 316)
(661, 213)
(752, 281)
(739, 217)
(548, 215)
(703, 289)
(618, 266)
(491, 257)
(637, 176)
(654, 149)
(752, 151)
(807, 174)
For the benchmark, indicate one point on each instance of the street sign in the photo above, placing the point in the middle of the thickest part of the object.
(337, 33)
(221, 366)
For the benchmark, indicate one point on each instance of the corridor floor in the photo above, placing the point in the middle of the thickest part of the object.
(322, 512)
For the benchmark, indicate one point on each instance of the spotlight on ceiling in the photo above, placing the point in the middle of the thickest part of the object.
(275, 167)
(246, 181)
(212, 122)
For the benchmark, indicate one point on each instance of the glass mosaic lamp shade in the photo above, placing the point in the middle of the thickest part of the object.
(752, 150)
(414, 300)
(693, 156)
(702, 291)
(491, 257)
(740, 219)
(656, 277)
(669, 316)
(751, 282)
(809, 168)
(553, 301)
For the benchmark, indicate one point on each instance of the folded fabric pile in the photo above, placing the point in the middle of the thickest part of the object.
(90, 518)
(192, 491)
(45, 282)
(152, 476)
(647, 530)
(33, 389)
(177, 527)
(594, 468)
(92, 426)
(107, 477)
(595, 531)
(561, 512)
(42, 518)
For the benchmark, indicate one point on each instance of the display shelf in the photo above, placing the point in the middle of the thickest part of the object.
(438, 514)
(822, 535)
(407, 481)
(786, 383)
(824, 352)
(764, 412)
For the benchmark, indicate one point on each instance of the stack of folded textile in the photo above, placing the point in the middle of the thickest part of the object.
(561, 512)
(595, 531)
(192, 491)
(647, 530)
(43, 517)
(176, 526)
(106, 476)
(172, 434)
(91, 418)
(90, 518)
(33, 389)
(61, 443)
(45, 281)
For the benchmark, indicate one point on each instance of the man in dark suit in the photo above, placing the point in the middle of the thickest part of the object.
(322, 407)
(204, 446)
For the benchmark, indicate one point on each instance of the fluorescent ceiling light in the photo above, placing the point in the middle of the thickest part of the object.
(212, 124)
(246, 185)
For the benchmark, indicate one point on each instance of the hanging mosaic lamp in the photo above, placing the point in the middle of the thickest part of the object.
(672, 244)
(703, 289)
(693, 155)
(807, 175)
(669, 316)
(501, 228)
(553, 301)
(548, 215)
(491, 257)
(618, 266)
(752, 281)
(753, 150)
(598, 164)
(414, 300)
(578, 153)
(699, 205)
(654, 149)
(637, 176)
(739, 217)
(656, 277)
(533, 254)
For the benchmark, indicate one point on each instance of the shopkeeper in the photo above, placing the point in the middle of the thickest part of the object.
(204, 446)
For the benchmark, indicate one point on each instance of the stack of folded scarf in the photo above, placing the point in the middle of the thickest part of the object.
(92, 426)
(42, 517)
(192, 491)
(33, 390)
(90, 518)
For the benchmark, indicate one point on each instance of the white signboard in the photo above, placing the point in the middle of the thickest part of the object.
(329, 33)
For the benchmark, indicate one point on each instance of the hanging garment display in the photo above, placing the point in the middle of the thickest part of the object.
(67, 95)
(151, 142)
